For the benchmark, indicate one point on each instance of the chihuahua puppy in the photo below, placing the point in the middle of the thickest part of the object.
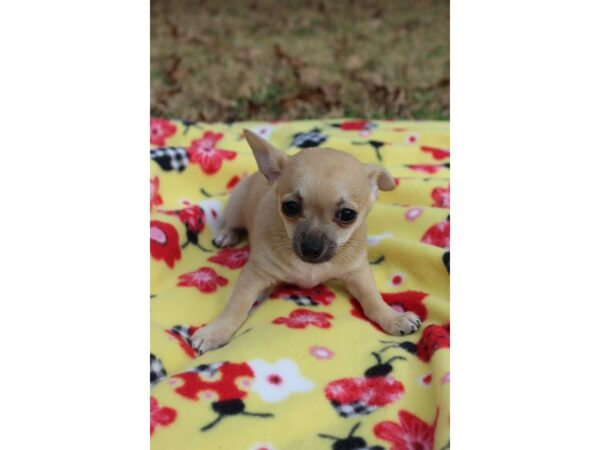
(305, 218)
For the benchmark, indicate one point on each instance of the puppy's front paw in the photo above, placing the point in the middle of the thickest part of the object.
(209, 338)
(401, 323)
(227, 238)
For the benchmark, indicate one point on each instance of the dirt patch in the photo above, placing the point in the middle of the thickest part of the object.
(271, 59)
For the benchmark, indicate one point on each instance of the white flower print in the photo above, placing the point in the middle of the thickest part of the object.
(213, 214)
(275, 382)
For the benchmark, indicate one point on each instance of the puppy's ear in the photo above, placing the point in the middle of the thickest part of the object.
(270, 160)
(380, 178)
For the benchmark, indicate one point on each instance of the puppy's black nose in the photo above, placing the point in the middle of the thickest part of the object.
(311, 248)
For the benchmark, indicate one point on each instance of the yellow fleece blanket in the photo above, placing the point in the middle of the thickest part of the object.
(307, 370)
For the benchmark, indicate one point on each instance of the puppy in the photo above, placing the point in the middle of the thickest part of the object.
(305, 217)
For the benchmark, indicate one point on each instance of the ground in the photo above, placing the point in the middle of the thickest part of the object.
(226, 60)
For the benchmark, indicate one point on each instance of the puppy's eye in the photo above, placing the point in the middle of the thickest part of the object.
(291, 208)
(345, 216)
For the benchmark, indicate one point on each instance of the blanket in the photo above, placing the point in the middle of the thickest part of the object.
(307, 370)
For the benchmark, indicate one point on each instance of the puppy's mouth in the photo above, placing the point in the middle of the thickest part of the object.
(314, 250)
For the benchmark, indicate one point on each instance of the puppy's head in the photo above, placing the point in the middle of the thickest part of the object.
(323, 195)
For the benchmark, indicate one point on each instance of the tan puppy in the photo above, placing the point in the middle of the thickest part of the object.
(305, 218)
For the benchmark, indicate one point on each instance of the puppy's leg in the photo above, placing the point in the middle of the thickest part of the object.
(245, 292)
(232, 230)
(362, 287)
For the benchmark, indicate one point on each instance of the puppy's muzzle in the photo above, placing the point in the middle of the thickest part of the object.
(314, 248)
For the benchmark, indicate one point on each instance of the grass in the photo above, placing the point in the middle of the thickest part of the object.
(226, 60)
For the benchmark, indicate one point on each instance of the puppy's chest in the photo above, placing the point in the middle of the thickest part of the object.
(307, 276)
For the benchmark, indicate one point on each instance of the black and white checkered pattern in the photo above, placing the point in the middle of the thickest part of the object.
(157, 371)
(209, 370)
(353, 409)
(183, 332)
(300, 300)
(310, 139)
(170, 158)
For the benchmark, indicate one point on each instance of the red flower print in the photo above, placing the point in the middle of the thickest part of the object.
(155, 198)
(233, 258)
(164, 242)
(400, 301)
(437, 153)
(160, 130)
(356, 125)
(301, 318)
(441, 197)
(424, 168)
(220, 379)
(411, 433)
(160, 416)
(204, 279)
(320, 294)
(232, 182)
(438, 235)
(433, 338)
(204, 152)
(407, 301)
